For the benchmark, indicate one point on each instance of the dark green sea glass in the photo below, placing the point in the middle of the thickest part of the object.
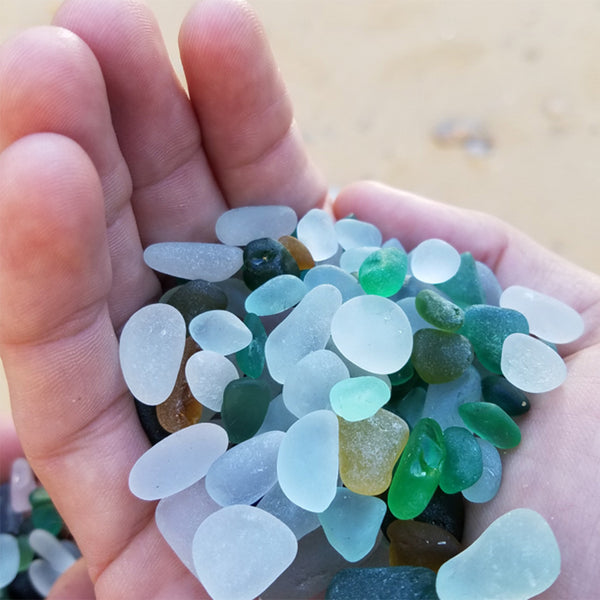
(251, 359)
(491, 423)
(464, 288)
(245, 404)
(438, 311)
(463, 465)
(440, 356)
(264, 259)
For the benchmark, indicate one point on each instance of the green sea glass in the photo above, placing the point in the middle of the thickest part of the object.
(418, 472)
(464, 288)
(490, 422)
(440, 356)
(245, 404)
(496, 389)
(463, 465)
(264, 259)
(251, 359)
(382, 273)
(487, 327)
(438, 311)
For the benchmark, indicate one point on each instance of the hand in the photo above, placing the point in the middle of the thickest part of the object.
(553, 469)
(135, 162)
(102, 154)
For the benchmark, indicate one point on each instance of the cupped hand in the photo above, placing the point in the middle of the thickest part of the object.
(553, 470)
(103, 152)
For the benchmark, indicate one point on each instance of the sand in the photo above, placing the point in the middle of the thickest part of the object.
(373, 81)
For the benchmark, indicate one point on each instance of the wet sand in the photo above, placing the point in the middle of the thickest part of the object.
(389, 90)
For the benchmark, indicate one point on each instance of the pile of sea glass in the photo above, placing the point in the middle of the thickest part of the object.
(321, 402)
(35, 547)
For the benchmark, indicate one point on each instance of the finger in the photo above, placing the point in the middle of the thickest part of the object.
(175, 196)
(245, 113)
(514, 257)
(73, 584)
(75, 418)
(50, 81)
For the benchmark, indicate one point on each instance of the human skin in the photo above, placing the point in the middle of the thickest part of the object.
(102, 153)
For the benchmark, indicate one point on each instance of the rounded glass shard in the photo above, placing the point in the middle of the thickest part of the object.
(434, 261)
(238, 226)
(150, 351)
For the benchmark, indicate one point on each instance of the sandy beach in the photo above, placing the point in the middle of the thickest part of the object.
(490, 105)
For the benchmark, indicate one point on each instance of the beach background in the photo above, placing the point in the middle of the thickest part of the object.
(490, 105)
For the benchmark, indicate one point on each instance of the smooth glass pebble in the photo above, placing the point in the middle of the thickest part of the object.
(383, 583)
(45, 516)
(299, 251)
(548, 317)
(47, 546)
(490, 286)
(408, 305)
(443, 399)
(9, 562)
(491, 423)
(358, 398)
(196, 297)
(374, 333)
(178, 461)
(487, 327)
(346, 283)
(251, 359)
(239, 226)
(369, 450)
(464, 288)
(351, 523)
(179, 516)
(220, 331)
(240, 550)
(300, 521)
(438, 311)
(316, 231)
(531, 365)
(276, 295)
(278, 417)
(245, 404)
(440, 356)
(42, 576)
(304, 330)
(22, 483)
(383, 272)
(515, 558)
(487, 486)
(246, 472)
(208, 373)
(307, 465)
(150, 351)
(264, 259)
(180, 409)
(418, 472)
(509, 398)
(405, 374)
(463, 464)
(353, 233)
(26, 553)
(352, 259)
(308, 384)
(420, 544)
(410, 406)
(434, 261)
(194, 260)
